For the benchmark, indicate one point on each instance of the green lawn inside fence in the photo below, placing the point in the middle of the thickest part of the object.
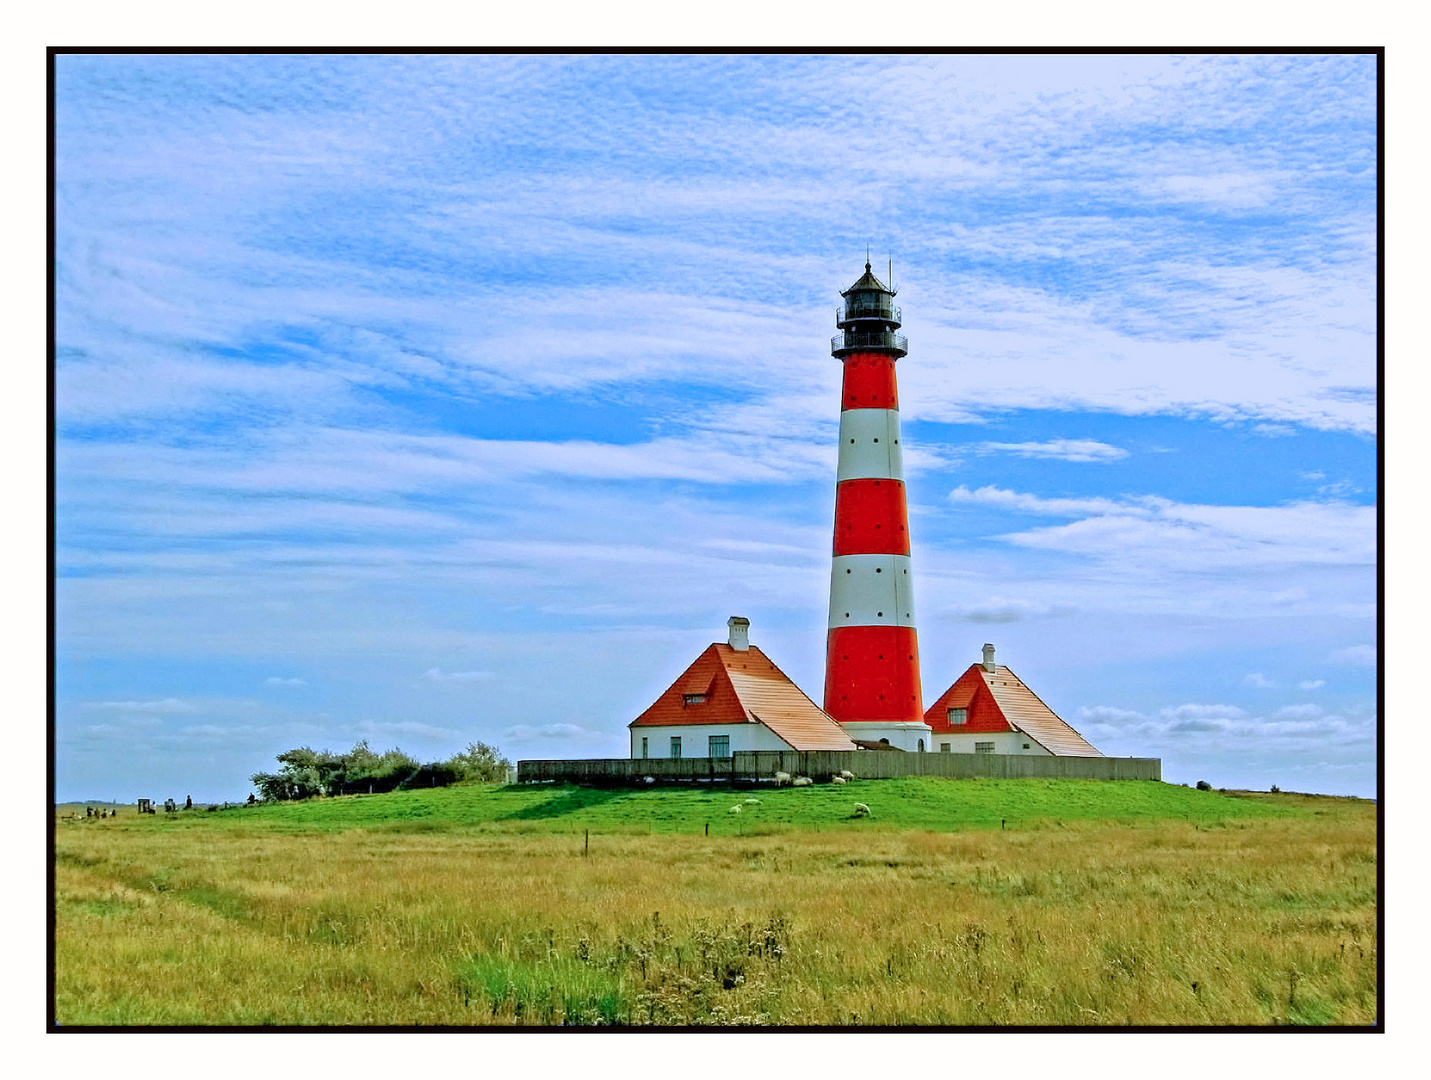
(936, 804)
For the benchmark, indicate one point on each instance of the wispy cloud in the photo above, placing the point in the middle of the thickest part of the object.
(1361, 655)
(437, 675)
(405, 727)
(997, 609)
(275, 680)
(548, 731)
(1057, 450)
(1160, 531)
(162, 705)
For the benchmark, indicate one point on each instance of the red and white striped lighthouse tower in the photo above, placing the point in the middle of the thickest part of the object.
(872, 650)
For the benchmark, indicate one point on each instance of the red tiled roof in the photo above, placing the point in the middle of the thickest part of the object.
(742, 686)
(998, 700)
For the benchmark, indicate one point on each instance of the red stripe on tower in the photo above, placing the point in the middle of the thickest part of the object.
(872, 650)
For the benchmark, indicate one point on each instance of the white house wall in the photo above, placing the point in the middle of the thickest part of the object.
(1005, 742)
(694, 739)
(902, 734)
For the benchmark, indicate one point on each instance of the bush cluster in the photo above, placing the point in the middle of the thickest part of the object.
(306, 772)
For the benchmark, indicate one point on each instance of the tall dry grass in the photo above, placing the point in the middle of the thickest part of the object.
(1264, 921)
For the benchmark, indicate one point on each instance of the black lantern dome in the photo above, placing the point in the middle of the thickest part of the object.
(869, 319)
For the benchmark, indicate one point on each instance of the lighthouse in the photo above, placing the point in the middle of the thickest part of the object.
(872, 686)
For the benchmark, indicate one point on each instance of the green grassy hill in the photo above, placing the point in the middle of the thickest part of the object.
(936, 804)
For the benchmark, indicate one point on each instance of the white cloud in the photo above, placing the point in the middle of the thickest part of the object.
(1256, 678)
(274, 680)
(1156, 533)
(550, 731)
(997, 609)
(1297, 712)
(1361, 655)
(1202, 712)
(989, 495)
(437, 675)
(163, 705)
(405, 727)
(1108, 714)
(1311, 684)
(1058, 449)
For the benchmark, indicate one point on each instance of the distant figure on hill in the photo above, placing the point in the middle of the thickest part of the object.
(188, 802)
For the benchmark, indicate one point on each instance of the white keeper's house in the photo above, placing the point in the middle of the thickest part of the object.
(733, 698)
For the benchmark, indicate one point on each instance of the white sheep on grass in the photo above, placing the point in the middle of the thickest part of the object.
(752, 801)
(803, 781)
(837, 779)
(650, 779)
(845, 774)
(781, 779)
(734, 810)
(861, 810)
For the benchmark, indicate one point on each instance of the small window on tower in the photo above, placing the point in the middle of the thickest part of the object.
(958, 716)
(693, 699)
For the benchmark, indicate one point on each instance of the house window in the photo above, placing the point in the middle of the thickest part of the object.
(945, 748)
(720, 746)
(676, 746)
(693, 699)
(958, 716)
(983, 748)
(645, 747)
(921, 746)
(1026, 746)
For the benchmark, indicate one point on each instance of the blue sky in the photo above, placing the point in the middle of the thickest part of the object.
(430, 399)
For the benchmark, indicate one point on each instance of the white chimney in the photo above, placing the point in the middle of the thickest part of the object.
(739, 632)
(989, 664)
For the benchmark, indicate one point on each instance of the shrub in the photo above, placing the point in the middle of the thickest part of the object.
(307, 772)
(1203, 785)
(479, 762)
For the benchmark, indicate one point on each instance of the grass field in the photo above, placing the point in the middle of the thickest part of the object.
(967, 902)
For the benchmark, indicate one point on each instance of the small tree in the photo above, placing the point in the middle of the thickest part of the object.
(480, 762)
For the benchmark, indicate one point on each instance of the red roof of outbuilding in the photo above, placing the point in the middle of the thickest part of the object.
(742, 686)
(998, 700)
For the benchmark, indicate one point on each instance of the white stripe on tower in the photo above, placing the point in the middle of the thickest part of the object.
(869, 445)
(871, 590)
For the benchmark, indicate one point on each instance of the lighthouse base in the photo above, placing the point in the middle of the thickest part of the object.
(911, 735)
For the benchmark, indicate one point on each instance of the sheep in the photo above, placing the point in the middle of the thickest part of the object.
(803, 781)
(734, 810)
(861, 810)
(781, 779)
(752, 801)
(837, 779)
(845, 774)
(650, 779)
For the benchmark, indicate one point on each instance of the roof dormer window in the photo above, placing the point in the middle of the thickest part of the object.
(692, 699)
(958, 716)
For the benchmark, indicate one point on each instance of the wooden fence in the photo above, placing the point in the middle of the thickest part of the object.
(753, 766)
